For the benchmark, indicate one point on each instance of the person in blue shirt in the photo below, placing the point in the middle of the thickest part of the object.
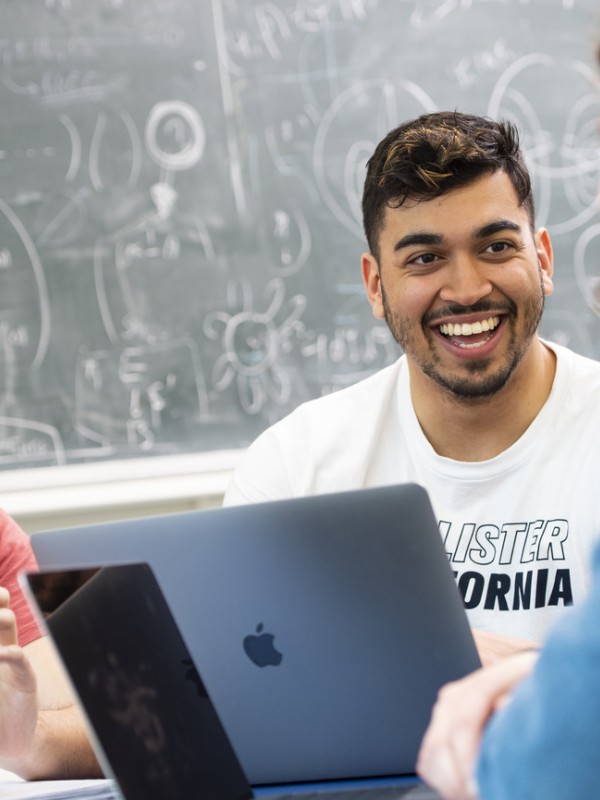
(527, 727)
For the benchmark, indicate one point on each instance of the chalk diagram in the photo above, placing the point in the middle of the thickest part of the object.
(567, 166)
(339, 157)
(253, 342)
(431, 12)
(114, 131)
(25, 324)
(567, 163)
(587, 266)
(287, 232)
(142, 300)
(142, 396)
(30, 440)
(24, 332)
(289, 242)
(144, 253)
(60, 160)
(40, 153)
(24, 338)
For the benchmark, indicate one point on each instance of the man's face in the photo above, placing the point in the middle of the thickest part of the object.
(461, 282)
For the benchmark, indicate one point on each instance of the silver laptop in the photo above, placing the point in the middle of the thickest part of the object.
(322, 627)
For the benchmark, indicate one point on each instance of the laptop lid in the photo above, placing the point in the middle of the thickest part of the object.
(154, 727)
(323, 627)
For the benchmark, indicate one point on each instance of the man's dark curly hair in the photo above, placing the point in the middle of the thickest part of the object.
(431, 155)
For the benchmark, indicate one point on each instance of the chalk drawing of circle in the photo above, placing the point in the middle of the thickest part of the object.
(586, 259)
(115, 157)
(178, 125)
(556, 140)
(18, 280)
(348, 134)
(512, 99)
(251, 343)
(581, 149)
(512, 91)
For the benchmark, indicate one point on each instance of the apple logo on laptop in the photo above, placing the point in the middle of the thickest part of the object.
(260, 648)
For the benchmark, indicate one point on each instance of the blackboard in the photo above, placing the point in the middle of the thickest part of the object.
(180, 186)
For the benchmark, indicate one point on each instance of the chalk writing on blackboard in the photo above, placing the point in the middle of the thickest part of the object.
(180, 191)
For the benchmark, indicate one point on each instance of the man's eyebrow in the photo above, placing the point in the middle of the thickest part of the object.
(497, 226)
(420, 237)
(426, 238)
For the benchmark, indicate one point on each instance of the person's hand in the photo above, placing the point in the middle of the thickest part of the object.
(448, 754)
(493, 647)
(42, 732)
(18, 688)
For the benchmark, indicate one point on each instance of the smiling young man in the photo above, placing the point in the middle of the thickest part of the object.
(500, 427)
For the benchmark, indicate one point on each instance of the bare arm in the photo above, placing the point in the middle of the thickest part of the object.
(493, 647)
(42, 734)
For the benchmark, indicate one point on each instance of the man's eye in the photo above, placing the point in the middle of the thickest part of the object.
(499, 247)
(424, 259)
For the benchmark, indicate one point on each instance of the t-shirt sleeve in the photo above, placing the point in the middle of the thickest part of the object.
(17, 556)
(261, 475)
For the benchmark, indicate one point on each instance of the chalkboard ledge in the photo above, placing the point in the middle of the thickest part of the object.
(56, 497)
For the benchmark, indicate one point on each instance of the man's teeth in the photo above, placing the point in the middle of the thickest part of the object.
(468, 329)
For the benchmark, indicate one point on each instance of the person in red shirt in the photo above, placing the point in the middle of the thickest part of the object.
(42, 734)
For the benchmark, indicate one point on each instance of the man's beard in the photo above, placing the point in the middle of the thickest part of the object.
(478, 384)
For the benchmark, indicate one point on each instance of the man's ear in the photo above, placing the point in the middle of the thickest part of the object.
(543, 247)
(372, 282)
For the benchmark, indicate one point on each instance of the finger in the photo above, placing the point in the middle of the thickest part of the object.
(436, 767)
(453, 736)
(4, 597)
(441, 769)
(8, 627)
(464, 748)
(22, 675)
(447, 756)
(450, 745)
(502, 701)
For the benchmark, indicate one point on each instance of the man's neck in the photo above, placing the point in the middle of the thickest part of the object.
(479, 429)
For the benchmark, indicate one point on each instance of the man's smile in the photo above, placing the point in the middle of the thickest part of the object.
(470, 334)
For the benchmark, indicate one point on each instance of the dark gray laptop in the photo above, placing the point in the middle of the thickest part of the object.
(322, 627)
(155, 729)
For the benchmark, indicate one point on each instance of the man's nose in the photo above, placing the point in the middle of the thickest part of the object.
(467, 281)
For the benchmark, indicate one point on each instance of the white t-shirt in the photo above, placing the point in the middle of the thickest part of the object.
(518, 528)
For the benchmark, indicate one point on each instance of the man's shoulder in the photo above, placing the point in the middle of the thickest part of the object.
(577, 366)
(373, 390)
(371, 387)
(567, 354)
(322, 445)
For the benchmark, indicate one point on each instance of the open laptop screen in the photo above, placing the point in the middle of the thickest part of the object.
(156, 730)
